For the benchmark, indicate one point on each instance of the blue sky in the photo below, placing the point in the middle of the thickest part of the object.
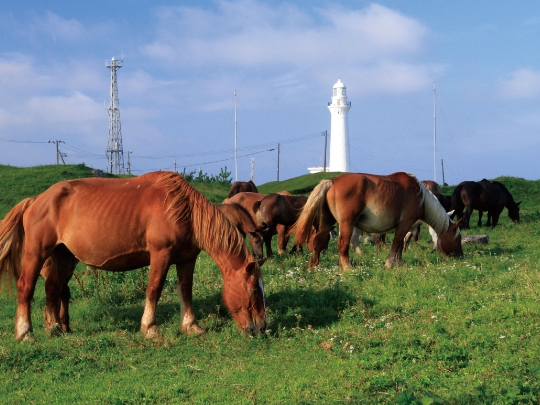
(184, 60)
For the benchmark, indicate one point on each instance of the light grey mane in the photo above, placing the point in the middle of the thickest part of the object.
(434, 213)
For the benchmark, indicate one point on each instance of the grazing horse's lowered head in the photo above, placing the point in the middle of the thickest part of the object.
(248, 311)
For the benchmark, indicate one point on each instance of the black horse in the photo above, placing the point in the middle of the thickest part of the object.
(483, 196)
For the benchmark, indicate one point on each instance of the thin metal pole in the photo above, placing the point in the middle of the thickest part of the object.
(325, 143)
(434, 131)
(278, 150)
(235, 144)
(442, 165)
(175, 166)
(252, 169)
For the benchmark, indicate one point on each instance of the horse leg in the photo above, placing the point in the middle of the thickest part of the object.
(344, 239)
(355, 240)
(380, 240)
(158, 272)
(283, 239)
(466, 218)
(496, 218)
(480, 214)
(412, 234)
(267, 238)
(58, 270)
(489, 218)
(188, 323)
(320, 241)
(26, 285)
(396, 250)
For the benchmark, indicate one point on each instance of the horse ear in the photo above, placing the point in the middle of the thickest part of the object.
(256, 206)
(250, 268)
(519, 203)
(450, 212)
(458, 222)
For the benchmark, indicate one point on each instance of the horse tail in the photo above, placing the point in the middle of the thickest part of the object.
(12, 242)
(456, 202)
(312, 208)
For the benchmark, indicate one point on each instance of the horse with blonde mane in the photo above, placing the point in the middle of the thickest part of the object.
(156, 219)
(374, 204)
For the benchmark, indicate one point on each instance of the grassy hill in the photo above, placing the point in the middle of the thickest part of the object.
(433, 331)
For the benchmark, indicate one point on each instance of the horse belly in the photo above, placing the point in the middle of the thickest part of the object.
(374, 222)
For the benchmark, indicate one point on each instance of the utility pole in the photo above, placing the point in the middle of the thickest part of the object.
(175, 166)
(442, 164)
(434, 131)
(325, 143)
(252, 169)
(278, 147)
(58, 153)
(235, 144)
(129, 163)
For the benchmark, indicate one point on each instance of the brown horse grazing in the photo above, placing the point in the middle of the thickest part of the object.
(242, 186)
(156, 219)
(483, 196)
(243, 221)
(375, 204)
(279, 209)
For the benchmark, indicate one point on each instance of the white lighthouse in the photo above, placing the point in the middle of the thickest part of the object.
(340, 159)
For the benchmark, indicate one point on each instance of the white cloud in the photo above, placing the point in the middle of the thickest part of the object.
(523, 84)
(284, 41)
(60, 28)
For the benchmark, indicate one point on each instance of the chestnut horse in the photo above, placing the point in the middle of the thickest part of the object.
(156, 219)
(243, 221)
(279, 209)
(375, 204)
(483, 196)
(242, 186)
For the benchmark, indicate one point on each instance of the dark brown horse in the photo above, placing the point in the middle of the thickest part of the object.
(243, 221)
(483, 196)
(375, 204)
(156, 219)
(242, 186)
(279, 209)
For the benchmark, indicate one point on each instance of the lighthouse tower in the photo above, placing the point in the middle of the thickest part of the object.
(340, 160)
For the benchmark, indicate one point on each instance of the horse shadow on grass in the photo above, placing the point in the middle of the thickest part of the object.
(286, 308)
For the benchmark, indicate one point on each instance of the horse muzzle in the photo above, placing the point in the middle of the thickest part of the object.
(255, 329)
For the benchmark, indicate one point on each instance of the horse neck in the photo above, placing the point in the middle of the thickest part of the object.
(510, 202)
(434, 213)
(228, 261)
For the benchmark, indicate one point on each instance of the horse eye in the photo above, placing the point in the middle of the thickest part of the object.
(253, 291)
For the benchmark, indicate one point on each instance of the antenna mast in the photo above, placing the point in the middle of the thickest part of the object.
(115, 151)
(434, 131)
(235, 148)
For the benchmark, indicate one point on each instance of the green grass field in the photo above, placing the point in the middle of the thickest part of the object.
(433, 331)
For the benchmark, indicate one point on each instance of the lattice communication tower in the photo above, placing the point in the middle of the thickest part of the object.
(115, 151)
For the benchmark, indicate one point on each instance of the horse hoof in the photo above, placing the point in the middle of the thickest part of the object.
(28, 337)
(56, 330)
(194, 330)
(152, 333)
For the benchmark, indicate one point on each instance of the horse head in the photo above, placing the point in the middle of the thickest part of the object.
(449, 242)
(513, 212)
(243, 294)
(256, 242)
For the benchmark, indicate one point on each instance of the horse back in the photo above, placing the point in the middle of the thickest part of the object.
(377, 203)
(91, 216)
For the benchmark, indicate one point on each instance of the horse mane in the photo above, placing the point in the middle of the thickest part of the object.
(434, 213)
(211, 229)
